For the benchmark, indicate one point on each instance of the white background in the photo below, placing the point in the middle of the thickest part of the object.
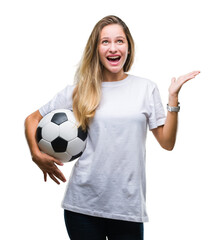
(40, 46)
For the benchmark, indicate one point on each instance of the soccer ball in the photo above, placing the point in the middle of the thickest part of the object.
(57, 135)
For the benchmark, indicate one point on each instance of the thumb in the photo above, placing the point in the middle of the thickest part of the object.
(173, 80)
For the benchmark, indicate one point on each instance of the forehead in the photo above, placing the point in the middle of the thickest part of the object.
(112, 30)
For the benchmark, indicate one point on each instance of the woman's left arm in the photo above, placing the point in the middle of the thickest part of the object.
(166, 134)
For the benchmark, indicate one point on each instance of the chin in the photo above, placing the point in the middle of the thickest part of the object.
(114, 71)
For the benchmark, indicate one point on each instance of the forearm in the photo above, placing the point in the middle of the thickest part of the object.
(170, 127)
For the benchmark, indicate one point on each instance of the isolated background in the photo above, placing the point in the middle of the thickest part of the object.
(40, 46)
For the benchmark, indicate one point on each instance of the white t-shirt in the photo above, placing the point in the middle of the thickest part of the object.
(109, 180)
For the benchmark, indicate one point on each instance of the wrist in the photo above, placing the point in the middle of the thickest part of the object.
(173, 109)
(173, 100)
(35, 152)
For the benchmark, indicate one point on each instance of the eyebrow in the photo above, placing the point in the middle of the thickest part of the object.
(116, 37)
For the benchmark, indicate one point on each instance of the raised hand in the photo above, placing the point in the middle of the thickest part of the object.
(176, 85)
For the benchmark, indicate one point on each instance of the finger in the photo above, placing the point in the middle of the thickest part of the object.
(194, 73)
(45, 176)
(54, 178)
(48, 157)
(58, 162)
(55, 171)
(192, 76)
(186, 77)
(60, 175)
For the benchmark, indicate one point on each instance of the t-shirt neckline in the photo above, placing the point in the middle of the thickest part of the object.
(116, 83)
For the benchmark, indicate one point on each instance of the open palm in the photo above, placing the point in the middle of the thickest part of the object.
(176, 85)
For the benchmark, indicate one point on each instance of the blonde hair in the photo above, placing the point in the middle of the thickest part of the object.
(88, 77)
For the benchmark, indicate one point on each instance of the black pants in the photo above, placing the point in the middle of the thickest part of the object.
(84, 227)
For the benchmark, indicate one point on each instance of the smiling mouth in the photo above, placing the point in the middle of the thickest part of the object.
(114, 59)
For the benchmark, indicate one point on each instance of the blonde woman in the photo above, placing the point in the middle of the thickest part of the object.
(107, 189)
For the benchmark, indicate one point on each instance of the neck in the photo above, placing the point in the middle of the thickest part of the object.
(112, 77)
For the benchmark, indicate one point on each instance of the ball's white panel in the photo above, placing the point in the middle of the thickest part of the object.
(50, 131)
(67, 111)
(46, 119)
(76, 146)
(68, 131)
(63, 157)
(46, 147)
(71, 118)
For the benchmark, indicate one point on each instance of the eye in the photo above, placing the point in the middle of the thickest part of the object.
(105, 42)
(120, 41)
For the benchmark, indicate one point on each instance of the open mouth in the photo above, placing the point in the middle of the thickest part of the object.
(114, 59)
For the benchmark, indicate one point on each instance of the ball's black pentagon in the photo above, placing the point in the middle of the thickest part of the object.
(39, 134)
(82, 134)
(76, 156)
(59, 118)
(59, 144)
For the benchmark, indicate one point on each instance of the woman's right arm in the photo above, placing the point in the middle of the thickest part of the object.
(45, 162)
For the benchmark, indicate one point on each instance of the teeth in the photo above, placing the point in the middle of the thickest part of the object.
(114, 57)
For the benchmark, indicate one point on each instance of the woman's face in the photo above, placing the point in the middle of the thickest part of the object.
(113, 48)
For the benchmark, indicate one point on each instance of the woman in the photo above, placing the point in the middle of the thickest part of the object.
(106, 192)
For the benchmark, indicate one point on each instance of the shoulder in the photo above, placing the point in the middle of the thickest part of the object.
(145, 82)
(67, 91)
(69, 88)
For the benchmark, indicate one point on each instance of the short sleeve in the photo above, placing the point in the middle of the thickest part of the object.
(156, 116)
(62, 99)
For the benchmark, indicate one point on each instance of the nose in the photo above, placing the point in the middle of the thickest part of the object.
(113, 48)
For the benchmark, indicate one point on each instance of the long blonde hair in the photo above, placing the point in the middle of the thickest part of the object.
(88, 77)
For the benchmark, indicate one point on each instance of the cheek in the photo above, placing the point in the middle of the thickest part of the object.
(125, 52)
(101, 52)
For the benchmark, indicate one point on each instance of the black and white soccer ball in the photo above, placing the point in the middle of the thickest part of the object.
(58, 135)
